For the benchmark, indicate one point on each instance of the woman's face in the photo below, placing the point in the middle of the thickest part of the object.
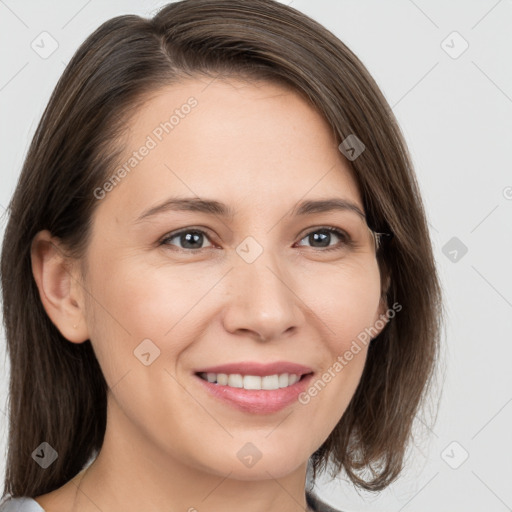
(265, 292)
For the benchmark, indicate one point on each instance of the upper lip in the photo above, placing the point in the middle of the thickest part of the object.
(258, 369)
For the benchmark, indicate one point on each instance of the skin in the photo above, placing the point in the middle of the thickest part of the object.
(169, 445)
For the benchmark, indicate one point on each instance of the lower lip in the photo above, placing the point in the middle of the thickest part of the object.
(258, 401)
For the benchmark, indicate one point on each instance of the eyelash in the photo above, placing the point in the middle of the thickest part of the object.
(346, 240)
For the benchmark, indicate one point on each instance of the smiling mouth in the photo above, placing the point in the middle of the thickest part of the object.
(252, 382)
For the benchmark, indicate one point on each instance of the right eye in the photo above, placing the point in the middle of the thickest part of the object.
(325, 233)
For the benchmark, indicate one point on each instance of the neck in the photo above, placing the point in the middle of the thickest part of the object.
(132, 474)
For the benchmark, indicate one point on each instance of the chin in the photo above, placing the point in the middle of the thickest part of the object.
(278, 467)
(276, 463)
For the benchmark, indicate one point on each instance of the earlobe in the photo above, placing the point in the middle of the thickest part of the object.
(58, 285)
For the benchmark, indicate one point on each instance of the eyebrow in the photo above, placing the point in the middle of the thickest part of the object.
(213, 207)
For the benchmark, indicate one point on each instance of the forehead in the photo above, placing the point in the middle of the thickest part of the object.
(256, 144)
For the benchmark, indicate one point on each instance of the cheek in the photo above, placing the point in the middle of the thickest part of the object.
(132, 304)
(134, 301)
(142, 300)
(123, 310)
(348, 308)
(350, 322)
(347, 300)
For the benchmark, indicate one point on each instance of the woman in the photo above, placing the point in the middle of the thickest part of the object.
(217, 272)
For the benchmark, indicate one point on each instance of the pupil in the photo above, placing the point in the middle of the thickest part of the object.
(323, 237)
(192, 235)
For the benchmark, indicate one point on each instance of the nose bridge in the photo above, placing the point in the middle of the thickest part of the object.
(263, 300)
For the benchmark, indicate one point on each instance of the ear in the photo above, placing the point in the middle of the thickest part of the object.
(59, 287)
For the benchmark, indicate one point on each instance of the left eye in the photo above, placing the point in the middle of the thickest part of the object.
(323, 235)
(194, 238)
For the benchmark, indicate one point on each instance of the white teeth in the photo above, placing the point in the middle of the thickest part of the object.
(222, 379)
(236, 380)
(252, 382)
(270, 382)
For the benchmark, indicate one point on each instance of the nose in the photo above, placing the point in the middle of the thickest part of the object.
(262, 300)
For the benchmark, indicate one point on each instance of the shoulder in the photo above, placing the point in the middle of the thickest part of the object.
(316, 504)
(20, 504)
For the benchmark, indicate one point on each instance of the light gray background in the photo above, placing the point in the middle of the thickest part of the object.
(456, 115)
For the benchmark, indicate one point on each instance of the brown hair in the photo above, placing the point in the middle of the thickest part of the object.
(57, 391)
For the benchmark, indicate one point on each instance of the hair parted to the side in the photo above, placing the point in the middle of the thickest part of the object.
(57, 392)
